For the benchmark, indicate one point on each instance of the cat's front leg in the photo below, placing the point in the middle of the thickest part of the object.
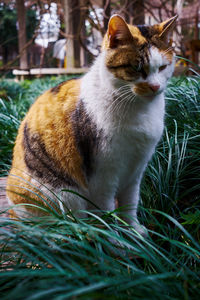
(101, 202)
(128, 200)
(101, 194)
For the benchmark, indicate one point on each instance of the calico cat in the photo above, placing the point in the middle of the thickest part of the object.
(95, 135)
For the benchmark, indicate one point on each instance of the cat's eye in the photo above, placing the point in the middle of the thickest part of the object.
(144, 72)
(162, 68)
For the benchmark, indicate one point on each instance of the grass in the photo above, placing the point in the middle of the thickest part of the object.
(60, 257)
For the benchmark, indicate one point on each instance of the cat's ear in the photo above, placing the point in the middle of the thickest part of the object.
(166, 28)
(118, 32)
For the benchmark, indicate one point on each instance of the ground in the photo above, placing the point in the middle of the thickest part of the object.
(3, 200)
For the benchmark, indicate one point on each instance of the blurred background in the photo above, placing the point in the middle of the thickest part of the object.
(68, 33)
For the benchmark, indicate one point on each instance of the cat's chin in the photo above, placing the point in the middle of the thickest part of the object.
(149, 97)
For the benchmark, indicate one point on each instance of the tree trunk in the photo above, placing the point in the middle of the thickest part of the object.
(138, 13)
(21, 16)
(107, 11)
(72, 22)
(76, 19)
(135, 12)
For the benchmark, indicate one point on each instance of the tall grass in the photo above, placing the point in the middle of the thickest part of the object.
(61, 257)
(58, 258)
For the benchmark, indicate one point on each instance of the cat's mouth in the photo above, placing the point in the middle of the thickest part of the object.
(145, 90)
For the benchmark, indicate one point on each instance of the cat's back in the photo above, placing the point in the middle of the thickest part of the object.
(49, 117)
(53, 104)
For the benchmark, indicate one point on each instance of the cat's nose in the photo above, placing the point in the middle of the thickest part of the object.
(154, 87)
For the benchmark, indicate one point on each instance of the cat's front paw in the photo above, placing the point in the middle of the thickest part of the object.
(139, 229)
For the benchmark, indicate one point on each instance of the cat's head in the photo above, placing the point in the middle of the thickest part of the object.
(141, 55)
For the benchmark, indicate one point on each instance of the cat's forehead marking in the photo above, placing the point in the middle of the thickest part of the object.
(146, 31)
(156, 58)
(136, 33)
(150, 33)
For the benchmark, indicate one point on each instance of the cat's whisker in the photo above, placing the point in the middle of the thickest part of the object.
(122, 107)
(114, 98)
(120, 89)
(116, 91)
(117, 101)
(126, 97)
(130, 101)
(124, 111)
(122, 97)
(121, 94)
(168, 49)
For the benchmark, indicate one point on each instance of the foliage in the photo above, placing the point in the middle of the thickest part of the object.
(8, 24)
(61, 257)
(171, 182)
(8, 27)
(9, 89)
(12, 109)
(176, 163)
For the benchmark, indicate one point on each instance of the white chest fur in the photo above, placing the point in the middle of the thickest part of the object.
(127, 148)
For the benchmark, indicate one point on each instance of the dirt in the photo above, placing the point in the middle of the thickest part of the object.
(3, 200)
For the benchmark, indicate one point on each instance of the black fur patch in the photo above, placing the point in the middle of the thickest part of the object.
(145, 31)
(40, 164)
(87, 137)
(151, 34)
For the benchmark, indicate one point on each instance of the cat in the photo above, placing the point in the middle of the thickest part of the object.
(95, 135)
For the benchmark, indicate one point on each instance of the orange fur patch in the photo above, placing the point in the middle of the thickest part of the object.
(50, 118)
(19, 188)
(142, 88)
(53, 124)
(138, 37)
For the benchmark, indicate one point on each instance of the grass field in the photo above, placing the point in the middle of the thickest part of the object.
(60, 257)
